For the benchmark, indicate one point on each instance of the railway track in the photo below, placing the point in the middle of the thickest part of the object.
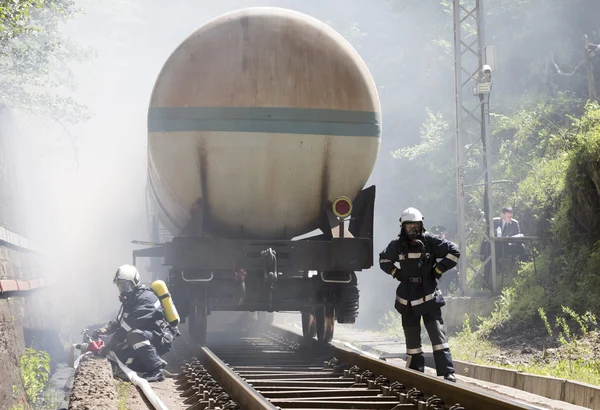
(278, 370)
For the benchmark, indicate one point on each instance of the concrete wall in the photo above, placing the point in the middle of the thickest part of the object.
(580, 394)
(18, 265)
(23, 315)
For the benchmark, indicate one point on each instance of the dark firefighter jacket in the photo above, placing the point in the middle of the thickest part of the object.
(144, 312)
(418, 270)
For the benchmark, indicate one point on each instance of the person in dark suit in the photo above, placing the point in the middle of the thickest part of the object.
(506, 226)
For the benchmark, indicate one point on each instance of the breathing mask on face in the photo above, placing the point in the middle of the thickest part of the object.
(126, 289)
(412, 229)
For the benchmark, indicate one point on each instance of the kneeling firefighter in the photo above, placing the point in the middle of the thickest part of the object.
(417, 295)
(140, 334)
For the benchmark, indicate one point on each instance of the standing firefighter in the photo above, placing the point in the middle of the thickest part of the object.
(140, 334)
(417, 295)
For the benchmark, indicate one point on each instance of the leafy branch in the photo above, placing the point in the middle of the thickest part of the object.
(35, 59)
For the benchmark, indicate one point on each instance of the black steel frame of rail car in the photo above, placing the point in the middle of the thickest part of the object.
(210, 274)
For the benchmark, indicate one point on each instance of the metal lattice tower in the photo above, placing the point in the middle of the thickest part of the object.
(472, 92)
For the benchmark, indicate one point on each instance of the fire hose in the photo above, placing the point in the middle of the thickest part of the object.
(139, 382)
(91, 347)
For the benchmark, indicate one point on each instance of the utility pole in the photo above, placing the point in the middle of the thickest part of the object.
(473, 67)
(587, 58)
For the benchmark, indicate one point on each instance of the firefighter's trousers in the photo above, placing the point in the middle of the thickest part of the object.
(138, 353)
(411, 325)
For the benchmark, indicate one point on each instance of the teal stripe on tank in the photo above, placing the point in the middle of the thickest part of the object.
(266, 120)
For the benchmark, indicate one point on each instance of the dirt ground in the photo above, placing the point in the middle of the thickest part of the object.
(94, 386)
(533, 344)
(521, 346)
(165, 390)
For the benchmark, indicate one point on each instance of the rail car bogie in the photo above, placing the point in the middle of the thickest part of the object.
(320, 301)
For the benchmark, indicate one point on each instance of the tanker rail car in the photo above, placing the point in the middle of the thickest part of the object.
(263, 127)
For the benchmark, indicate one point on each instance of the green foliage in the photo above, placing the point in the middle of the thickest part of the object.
(392, 324)
(435, 138)
(542, 313)
(560, 197)
(18, 398)
(534, 144)
(537, 129)
(583, 175)
(554, 159)
(434, 135)
(471, 346)
(35, 373)
(14, 18)
(35, 58)
(574, 359)
(528, 294)
(122, 393)
(496, 320)
(541, 192)
(499, 316)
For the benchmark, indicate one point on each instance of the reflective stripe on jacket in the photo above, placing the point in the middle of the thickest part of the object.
(414, 264)
(142, 313)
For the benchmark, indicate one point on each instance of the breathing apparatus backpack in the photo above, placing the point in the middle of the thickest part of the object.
(160, 288)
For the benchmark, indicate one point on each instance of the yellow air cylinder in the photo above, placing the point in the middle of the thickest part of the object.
(160, 288)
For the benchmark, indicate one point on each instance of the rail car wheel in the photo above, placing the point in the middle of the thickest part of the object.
(309, 328)
(325, 323)
(197, 323)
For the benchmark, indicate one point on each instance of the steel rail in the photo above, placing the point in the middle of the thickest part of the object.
(236, 387)
(274, 368)
(468, 397)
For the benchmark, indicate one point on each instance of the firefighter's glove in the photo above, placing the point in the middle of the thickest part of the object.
(103, 351)
(436, 273)
(395, 274)
(98, 332)
(112, 326)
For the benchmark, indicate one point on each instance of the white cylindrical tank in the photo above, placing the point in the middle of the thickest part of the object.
(264, 114)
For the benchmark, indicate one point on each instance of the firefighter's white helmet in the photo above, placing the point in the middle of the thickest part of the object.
(127, 278)
(411, 215)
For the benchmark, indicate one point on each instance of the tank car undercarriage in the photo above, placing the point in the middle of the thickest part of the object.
(314, 276)
(265, 280)
(322, 298)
